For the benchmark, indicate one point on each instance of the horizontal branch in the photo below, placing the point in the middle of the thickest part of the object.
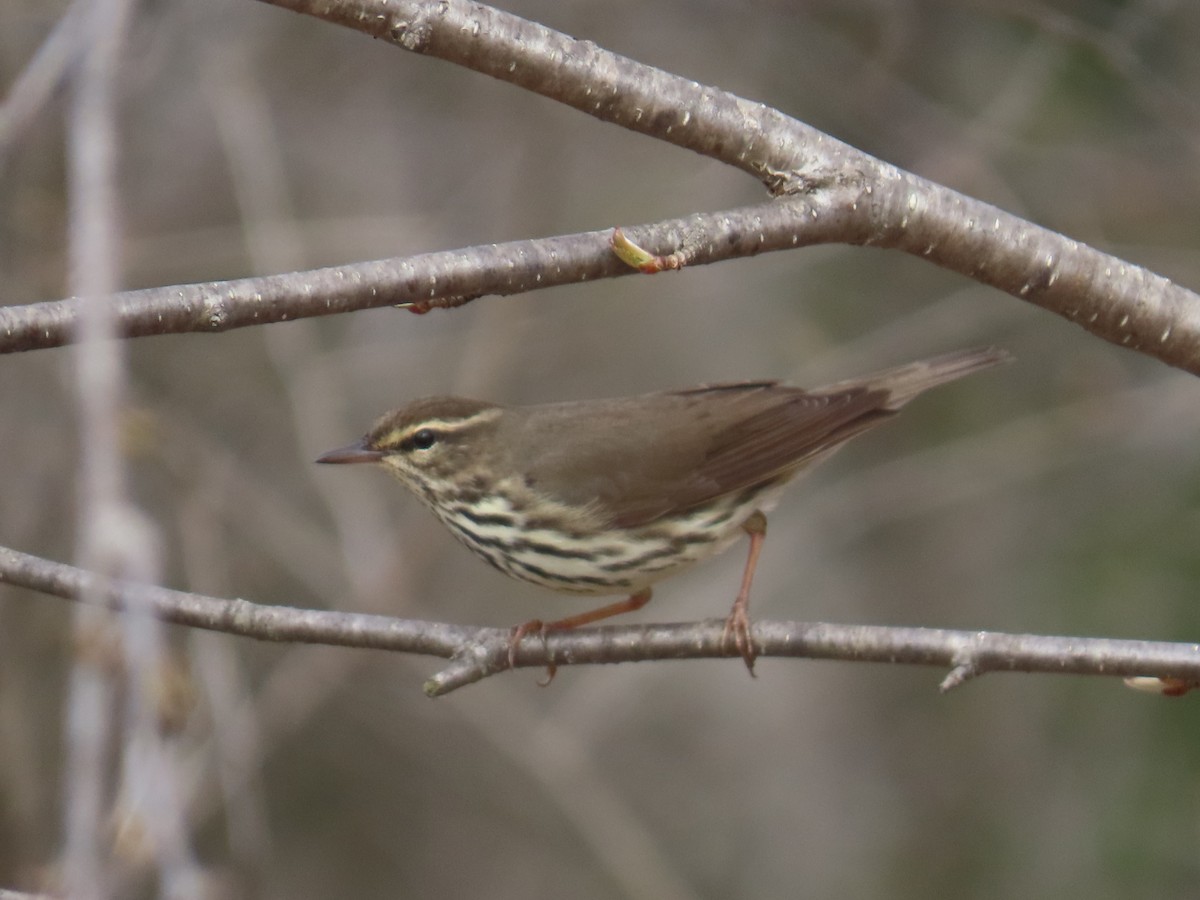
(426, 281)
(240, 617)
(477, 652)
(967, 654)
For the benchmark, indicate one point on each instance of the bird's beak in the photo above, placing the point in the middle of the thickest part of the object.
(358, 452)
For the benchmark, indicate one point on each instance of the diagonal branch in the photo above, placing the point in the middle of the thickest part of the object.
(827, 192)
(787, 155)
(477, 652)
(860, 199)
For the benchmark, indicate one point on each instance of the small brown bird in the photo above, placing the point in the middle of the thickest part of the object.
(610, 496)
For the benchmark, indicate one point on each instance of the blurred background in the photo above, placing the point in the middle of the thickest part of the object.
(1056, 495)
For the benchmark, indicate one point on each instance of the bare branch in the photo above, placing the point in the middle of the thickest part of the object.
(1123, 303)
(106, 540)
(429, 280)
(828, 192)
(40, 79)
(114, 536)
(787, 155)
(858, 198)
(976, 651)
(478, 652)
(263, 623)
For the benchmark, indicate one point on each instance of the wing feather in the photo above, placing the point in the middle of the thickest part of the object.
(634, 460)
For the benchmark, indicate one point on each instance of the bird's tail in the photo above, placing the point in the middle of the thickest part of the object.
(903, 383)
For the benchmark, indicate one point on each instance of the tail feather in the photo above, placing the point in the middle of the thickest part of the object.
(903, 383)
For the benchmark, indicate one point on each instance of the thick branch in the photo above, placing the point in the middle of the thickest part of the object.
(785, 154)
(1123, 303)
(479, 652)
(887, 207)
(834, 193)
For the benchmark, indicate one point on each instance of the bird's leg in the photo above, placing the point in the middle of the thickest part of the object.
(737, 625)
(629, 604)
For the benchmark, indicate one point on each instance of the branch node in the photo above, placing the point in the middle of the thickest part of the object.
(643, 260)
(484, 654)
(960, 675)
(1167, 687)
(413, 36)
(215, 313)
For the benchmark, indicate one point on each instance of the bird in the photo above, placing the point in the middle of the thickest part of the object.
(611, 496)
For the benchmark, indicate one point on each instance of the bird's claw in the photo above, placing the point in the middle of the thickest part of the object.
(737, 629)
(518, 633)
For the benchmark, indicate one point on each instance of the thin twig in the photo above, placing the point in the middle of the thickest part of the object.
(263, 623)
(477, 652)
(105, 542)
(428, 280)
(41, 78)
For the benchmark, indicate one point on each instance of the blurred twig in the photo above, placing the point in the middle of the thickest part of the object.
(41, 78)
(122, 800)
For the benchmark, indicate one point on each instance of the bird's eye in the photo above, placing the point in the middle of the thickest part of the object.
(423, 439)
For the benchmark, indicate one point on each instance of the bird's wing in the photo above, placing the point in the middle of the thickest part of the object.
(673, 451)
(636, 459)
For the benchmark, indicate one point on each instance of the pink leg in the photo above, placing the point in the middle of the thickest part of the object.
(737, 625)
(629, 604)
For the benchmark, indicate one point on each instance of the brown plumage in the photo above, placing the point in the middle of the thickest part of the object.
(610, 496)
